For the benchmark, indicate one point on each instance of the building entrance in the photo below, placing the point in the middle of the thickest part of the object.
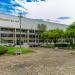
(18, 42)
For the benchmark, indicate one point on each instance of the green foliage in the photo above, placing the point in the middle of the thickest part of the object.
(11, 50)
(70, 32)
(50, 46)
(44, 35)
(71, 27)
(62, 45)
(3, 49)
(73, 46)
(52, 34)
(56, 33)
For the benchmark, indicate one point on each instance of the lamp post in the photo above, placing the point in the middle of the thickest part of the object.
(20, 16)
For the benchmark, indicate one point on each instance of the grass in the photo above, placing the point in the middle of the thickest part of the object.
(73, 53)
(11, 50)
(3, 50)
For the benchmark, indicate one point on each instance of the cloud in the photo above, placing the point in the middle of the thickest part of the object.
(64, 18)
(34, 0)
(61, 11)
(12, 6)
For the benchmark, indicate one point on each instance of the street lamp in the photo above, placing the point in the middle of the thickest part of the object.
(20, 16)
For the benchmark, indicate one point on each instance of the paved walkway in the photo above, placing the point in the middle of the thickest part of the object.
(42, 62)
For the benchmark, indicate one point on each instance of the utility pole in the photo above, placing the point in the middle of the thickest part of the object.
(20, 16)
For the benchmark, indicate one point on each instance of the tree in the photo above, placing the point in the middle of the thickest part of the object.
(71, 27)
(53, 35)
(70, 33)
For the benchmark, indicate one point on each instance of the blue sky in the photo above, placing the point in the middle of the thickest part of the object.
(61, 11)
(9, 6)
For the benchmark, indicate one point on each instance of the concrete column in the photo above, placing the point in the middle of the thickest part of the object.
(73, 40)
(0, 35)
(14, 41)
(38, 40)
(35, 36)
(28, 36)
(25, 37)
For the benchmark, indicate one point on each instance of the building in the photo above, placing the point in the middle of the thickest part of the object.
(10, 29)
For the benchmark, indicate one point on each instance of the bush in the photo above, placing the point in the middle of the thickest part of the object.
(62, 45)
(3, 50)
(73, 46)
(65, 46)
(50, 46)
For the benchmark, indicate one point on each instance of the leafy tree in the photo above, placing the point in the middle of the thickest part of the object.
(53, 34)
(70, 33)
(71, 27)
(45, 35)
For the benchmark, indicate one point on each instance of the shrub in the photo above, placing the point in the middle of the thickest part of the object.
(50, 46)
(3, 49)
(62, 45)
(73, 46)
(68, 46)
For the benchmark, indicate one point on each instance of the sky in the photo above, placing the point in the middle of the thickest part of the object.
(60, 11)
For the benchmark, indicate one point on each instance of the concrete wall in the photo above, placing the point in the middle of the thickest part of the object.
(13, 21)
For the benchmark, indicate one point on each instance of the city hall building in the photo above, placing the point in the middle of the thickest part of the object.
(10, 29)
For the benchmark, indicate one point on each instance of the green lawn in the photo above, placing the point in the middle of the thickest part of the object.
(11, 50)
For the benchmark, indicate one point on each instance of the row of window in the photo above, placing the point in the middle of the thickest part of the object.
(11, 41)
(18, 30)
(18, 35)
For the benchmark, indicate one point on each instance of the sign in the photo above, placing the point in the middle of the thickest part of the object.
(10, 20)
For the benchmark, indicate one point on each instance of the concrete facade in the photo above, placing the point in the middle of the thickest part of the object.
(10, 29)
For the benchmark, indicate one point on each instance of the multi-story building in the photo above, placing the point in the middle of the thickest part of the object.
(10, 29)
